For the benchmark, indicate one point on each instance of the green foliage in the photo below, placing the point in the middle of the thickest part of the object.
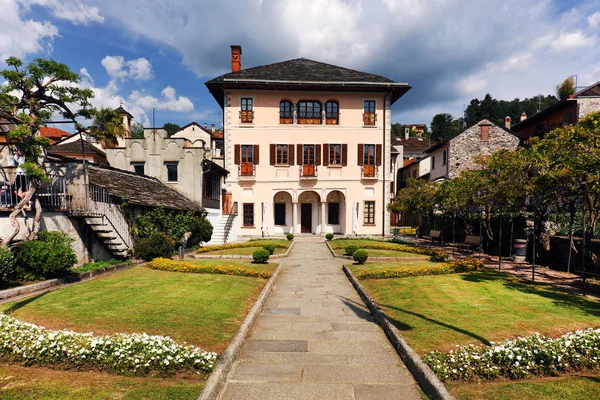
(174, 223)
(417, 197)
(137, 130)
(438, 256)
(171, 128)
(290, 236)
(350, 249)
(50, 256)
(107, 126)
(397, 130)
(270, 248)
(445, 126)
(360, 256)
(329, 236)
(7, 262)
(261, 256)
(30, 97)
(565, 89)
(496, 110)
(96, 265)
(156, 245)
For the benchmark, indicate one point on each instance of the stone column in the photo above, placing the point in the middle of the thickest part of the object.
(323, 217)
(294, 216)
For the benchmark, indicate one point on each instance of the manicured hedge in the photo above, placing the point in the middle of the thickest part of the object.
(464, 265)
(165, 264)
(251, 243)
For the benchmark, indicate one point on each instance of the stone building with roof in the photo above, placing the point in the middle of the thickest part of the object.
(308, 147)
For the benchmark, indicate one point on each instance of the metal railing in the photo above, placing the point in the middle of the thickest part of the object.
(369, 171)
(247, 173)
(233, 212)
(309, 171)
(53, 195)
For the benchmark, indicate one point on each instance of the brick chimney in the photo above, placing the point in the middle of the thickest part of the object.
(507, 122)
(212, 128)
(236, 57)
(523, 116)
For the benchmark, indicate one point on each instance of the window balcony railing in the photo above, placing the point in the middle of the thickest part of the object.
(247, 172)
(369, 119)
(247, 116)
(309, 171)
(369, 172)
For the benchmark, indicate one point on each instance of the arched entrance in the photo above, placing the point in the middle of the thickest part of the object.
(309, 211)
(282, 213)
(335, 220)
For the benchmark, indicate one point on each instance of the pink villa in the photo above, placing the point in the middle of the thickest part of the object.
(307, 145)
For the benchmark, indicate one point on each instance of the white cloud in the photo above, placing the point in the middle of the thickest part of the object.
(572, 41)
(19, 36)
(169, 101)
(71, 10)
(117, 67)
(594, 20)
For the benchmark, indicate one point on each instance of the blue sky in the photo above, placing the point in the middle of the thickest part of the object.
(157, 53)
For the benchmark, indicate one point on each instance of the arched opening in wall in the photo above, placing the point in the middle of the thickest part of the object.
(282, 213)
(309, 211)
(335, 212)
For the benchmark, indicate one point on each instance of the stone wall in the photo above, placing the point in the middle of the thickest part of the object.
(87, 246)
(465, 147)
(587, 105)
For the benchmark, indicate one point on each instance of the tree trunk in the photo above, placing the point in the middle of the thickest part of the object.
(19, 208)
(35, 227)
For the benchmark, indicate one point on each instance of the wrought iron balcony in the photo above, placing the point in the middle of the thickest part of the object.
(247, 172)
(309, 171)
(369, 172)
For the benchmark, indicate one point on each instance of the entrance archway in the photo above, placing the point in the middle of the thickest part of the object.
(282, 213)
(309, 211)
(335, 215)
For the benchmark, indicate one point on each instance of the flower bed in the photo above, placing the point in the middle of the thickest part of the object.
(251, 243)
(520, 358)
(165, 264)
(463, 265)
(134, 354)
(379, 245)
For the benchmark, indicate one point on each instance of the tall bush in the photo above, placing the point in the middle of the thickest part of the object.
(50, 256)
(7, 262)
(157, 245)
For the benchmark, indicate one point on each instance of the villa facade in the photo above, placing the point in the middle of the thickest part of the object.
(307, 145)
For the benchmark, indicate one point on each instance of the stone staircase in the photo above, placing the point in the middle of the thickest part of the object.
(109, 235)
(221, 229)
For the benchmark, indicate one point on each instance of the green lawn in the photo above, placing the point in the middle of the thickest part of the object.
(201, 309)
(25, 383)
(438, 312)
(242, 251)
(575, 387)
(342, 243)
(383, 253)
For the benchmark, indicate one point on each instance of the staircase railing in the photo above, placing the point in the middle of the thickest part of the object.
(233, 212)
(94, 201)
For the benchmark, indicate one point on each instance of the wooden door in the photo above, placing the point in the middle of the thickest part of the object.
(306, 218)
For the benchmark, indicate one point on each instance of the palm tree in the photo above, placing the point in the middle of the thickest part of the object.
(108, 126)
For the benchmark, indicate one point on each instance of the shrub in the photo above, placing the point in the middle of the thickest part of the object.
(520, 358)
(290, 236)
(329, 236)
(96, 265)
(157, 245)
(464, 265)
(360, 256)
(7, 262)
(126, 354)
(165, 264)
(350, 249)
(261, 256)
(50, 256)
(202, 231)
(438, 256)
(270, 248)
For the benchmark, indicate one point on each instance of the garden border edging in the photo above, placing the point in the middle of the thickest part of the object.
(216, 380)
(72, 278)
(427, 379)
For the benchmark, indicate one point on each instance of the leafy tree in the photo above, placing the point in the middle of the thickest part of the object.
(497, 110)
(171, 128)
(444, 126)
(107, 126)
(137, 130)
(29, 98)
(397, 130)
(566, 88)
(418, 197)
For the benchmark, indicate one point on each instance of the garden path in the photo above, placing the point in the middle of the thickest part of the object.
(315, 339)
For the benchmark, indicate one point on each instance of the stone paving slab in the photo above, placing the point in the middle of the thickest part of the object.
(315, 339)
